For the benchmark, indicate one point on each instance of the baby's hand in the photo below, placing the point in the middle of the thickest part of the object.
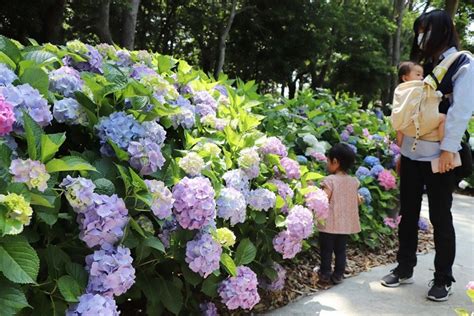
(361, 199)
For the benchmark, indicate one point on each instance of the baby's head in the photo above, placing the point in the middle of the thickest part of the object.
(341, 157)
(408, 71)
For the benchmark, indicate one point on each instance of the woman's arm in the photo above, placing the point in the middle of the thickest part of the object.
(458, 115)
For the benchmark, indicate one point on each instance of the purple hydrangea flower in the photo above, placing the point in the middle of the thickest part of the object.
(194, 204)
(65, 80)
(423, 224)
(279, 283)
(69, 111)
(93, 64)
(145, 156)
(7, 76)
(110, 271)
(318, 202)
(241, 290)
(362, 173)
(292, 168)
(261, 199)
(345, 135)
(249, 162)
(79, 192)
(392, 222)
(350, 129)
(186, 118)
(208, 309)
(7, 117)
(90, 304)
(222, 89)
(238, 180)
(394, 149)
(186, 89)
(31, 172)
(286, 244)
(154, 132)
(124, 58)
(203, 254)
(103, 221)
(169, 226)
(353, 147)
(119, 128)
(139, 71)
(231, 205)
(365, 193)
(284, 191)
(376, 170)
(205, 103)
(26, 98)
(162, 198)
(273, 145)
(299, 222)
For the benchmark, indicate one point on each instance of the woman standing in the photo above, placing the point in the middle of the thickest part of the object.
(435, 39)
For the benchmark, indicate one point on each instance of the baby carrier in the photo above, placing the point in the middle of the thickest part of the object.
(415, 107)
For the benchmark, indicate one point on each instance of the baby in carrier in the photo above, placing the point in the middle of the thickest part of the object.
(409, 71)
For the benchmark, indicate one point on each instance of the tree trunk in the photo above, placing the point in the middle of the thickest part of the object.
(291, 88)
(130, 23)
(451, 6)
(102, 26)
(53, 22)
(400, 10)
(223, 39)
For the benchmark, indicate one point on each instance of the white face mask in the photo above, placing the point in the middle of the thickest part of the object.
(422, 39)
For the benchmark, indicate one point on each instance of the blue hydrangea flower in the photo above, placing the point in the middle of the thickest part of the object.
(119, 128)
(205, 103)
(362, 173)
(124, 58)
(203, 254)
(231, 205)
(7, 76)
(90, 304)
(69, 111)
(376, 170)
(365, 193)
(65, 80)
(371, 161)
(261, 199)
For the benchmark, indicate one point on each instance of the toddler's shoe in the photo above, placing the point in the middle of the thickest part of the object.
(336, 279)
(324, 279)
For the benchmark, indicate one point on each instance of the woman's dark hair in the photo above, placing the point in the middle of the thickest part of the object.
(405, 68)
(344, 154)
(443, 35)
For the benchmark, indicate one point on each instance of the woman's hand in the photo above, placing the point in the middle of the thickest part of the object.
(446, 161)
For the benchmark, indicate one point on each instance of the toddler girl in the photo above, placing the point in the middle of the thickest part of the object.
(343, 218)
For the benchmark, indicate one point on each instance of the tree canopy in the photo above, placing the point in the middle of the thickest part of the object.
(350, 45)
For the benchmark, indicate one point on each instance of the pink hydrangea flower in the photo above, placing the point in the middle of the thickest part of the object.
(470, 285)
(7, 117)
(387, 180)
(319, 157)
(392, 222)
(300, 222)
(318, 202)
(292, 168)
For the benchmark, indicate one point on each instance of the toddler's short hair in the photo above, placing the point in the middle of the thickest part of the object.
(344, 154)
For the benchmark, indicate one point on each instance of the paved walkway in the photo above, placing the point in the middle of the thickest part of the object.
(363, 294)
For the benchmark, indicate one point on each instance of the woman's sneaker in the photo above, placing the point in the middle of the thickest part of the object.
(394, 279)
(440, 291)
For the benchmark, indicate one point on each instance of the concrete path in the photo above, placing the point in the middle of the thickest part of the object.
(363, 294)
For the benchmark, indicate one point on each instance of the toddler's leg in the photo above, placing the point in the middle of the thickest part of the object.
(442, 121)
(340, 253)
(326, 247)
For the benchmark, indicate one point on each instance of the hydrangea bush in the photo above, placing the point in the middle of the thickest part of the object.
(315, 120)
(131, 181)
